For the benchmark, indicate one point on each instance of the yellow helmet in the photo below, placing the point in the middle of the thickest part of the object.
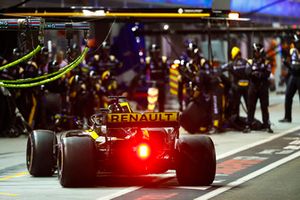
(234, 52)
(105, 75)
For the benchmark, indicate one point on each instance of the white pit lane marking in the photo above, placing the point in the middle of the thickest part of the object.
(193, 187)
(256, 173)
(256, 143)
(119, 193)
(249, 177)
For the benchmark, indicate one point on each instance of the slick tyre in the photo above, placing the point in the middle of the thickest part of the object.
(40, 153)
(195, 160)
(76, 162)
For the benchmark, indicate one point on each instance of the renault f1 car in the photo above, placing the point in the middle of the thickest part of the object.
(120, 141)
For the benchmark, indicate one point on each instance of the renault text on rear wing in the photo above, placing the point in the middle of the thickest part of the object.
(151, 119)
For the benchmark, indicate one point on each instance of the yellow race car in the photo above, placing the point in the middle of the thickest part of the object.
(120, 141)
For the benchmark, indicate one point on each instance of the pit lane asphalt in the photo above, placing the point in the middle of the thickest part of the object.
(15, 183)
(278, 184)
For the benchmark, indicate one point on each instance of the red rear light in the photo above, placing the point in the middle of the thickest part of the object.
(143, 151)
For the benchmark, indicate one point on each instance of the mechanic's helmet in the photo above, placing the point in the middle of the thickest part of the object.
(77, 84)
(258, 50)
(53, 67)
(203, 62)
(44, 55)
(105, 50)
(44, 51)
(16, 53)
(296, 40)
(31, 69)
(75, 48)
(105, 45)
(154, 50)
(115, 108)
(234, 52)
(190, 47)
(93, 61)
(196, 53)
(96, 58)
(105, 75)
(92, 74)
(74, 80)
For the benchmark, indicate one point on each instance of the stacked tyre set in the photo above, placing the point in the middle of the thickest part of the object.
(74, 158)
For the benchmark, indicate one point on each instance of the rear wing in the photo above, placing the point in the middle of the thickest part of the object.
(144, 120)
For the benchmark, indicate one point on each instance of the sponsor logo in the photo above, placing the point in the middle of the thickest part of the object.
(145, 117)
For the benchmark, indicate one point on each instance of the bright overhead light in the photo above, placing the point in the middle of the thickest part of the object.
(166, 27)
(100, 12)
(87, 12)
(233, 15)
(93, 13)
(180, 10)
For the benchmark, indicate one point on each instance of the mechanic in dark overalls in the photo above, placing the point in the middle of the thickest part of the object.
(258, 70)
(17, 71)
(157, 68)
(217, 90)
(30, 95)
(109, 87)
(183, 69)
(94, 86)
(53, 94)
(106, 61)
(26, 98)
(239, 84)
(293, 82)
(203, 87)
(79, 90)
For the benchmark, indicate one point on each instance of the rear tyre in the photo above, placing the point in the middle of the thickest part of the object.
(76, 162)
(40, 153)
(195, 160)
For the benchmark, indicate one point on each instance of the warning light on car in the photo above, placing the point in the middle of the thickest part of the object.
(143, 151)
